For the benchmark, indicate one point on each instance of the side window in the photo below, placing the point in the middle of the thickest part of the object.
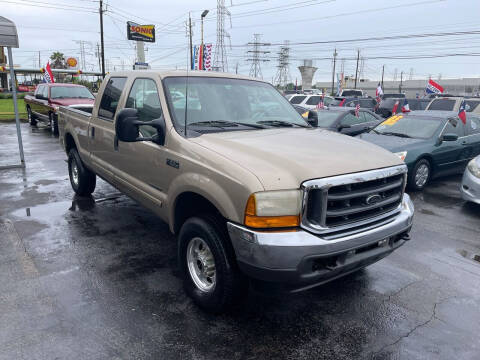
(369, 117)
(45, 92)
(313, 100)
(473, 125)
(351, 119)
(111, 96)
(144, 97)
(39, 89)
(455, 127)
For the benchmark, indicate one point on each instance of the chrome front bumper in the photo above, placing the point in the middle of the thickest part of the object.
(303, 259)
(470, 187)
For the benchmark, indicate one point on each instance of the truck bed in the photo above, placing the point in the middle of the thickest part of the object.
(78, 118)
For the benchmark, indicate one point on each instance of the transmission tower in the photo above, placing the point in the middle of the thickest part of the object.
(257, 56)
(220, 59)
(283, 73)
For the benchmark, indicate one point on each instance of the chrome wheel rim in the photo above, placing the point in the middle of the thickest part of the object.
(29, 114)
(201, 265)
(74, 172)
(421, 176)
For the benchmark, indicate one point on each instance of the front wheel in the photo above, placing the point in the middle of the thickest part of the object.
(207, 262)
(53, 124)
(83, 180)
(420, 175)
(31, 118)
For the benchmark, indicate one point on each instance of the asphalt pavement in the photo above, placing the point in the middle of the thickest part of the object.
(96, 278)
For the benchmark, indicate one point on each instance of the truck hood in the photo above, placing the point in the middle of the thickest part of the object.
(284, 158)
(72, 101)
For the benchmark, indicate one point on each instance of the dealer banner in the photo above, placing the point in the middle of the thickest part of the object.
(140, 32)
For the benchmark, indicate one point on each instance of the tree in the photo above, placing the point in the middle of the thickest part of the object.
(58, 60)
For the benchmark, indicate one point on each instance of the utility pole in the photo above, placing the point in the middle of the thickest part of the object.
(39, 62)
(383, 72)
(190, 35)
(333, 72)
(102, 55)
(356, 71)
(401, 81)
(98, 56)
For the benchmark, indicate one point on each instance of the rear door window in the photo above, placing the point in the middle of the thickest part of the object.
(297, 99)
(473, 104)
(313, 100)
(111, 97)
(367, 103)
(351, 119)
(473, 125)
(442, 104)
(454, 127)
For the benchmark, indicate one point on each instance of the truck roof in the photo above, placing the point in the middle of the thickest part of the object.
(61, 84)
(192, 73)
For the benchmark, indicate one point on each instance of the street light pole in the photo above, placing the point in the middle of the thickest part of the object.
(204, 13)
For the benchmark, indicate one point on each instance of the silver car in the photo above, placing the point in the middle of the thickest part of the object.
(470, 188)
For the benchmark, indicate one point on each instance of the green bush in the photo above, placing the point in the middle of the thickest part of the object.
(10, 95)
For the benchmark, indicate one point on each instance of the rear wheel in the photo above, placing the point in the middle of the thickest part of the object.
(83, 180)
(53, 123)
(420, 175)
(207, 262)
(31, 118)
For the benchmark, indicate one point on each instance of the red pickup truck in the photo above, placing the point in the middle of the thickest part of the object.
(44, 103)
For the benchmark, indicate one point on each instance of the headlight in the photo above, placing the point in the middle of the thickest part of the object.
(274, 209)
(56, 108)
(305, 115)
(474, 168)
(402, 155)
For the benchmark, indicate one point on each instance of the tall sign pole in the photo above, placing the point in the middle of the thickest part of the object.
(383, 72)
(191, 44)
(102, 55)
(333, 72)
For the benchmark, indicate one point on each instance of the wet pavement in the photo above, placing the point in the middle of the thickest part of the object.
(96, 278)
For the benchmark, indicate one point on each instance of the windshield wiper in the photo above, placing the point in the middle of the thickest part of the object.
(396, 134)
(279, 123)
(223, 123)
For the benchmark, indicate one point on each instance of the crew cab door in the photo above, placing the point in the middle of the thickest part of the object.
(141, 166)
(101, 130)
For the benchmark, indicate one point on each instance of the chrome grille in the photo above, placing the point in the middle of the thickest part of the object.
(346, 201)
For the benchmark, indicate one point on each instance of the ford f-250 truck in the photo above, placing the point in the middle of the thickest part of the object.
(254, 194)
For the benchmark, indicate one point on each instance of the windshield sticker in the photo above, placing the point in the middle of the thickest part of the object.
(392, 120)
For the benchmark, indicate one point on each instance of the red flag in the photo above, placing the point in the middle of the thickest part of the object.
(395, 107)
(462, 114)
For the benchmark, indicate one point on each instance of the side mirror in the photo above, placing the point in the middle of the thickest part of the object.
(450, 137)
(128, 123)
(344, 126)
(38, 96)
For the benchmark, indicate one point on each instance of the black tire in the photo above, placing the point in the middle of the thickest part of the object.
(31, 117)
(83, 180)
(418, 173)
(53, 123)
(230, 285)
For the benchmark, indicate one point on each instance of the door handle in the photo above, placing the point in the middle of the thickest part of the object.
(464, 143)
(92, 132)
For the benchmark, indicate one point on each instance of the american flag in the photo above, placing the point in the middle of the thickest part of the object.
(357, 110)
(48, 75)
(321, 104)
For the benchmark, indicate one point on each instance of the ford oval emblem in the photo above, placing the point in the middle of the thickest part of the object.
(373, 199)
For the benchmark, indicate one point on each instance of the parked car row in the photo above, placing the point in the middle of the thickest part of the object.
(43, 105)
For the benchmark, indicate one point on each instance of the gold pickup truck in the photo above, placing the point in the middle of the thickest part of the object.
(254, 194)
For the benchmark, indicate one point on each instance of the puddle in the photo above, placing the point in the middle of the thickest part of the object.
(469, 255)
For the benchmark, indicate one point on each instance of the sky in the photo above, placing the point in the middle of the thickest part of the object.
(59, 25)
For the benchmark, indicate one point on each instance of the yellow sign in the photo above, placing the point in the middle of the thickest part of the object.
(140, 32)
(72, 62)
(392, 120)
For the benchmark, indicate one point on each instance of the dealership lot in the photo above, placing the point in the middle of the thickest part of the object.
(96, 278)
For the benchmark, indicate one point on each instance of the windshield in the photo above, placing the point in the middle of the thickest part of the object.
(389, 103)
(352, 93)
(224, 103)
(409, 126)
(328, 118)
(68, 92)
